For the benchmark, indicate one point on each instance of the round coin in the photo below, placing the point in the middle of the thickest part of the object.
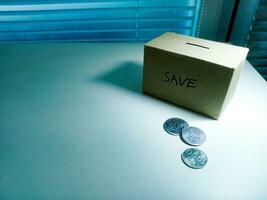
(174, 126)
(193, 136)
(194, 158)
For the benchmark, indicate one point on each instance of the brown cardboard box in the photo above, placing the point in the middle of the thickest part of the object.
(194, 73)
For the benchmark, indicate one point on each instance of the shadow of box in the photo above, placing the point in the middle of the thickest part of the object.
(127, 76)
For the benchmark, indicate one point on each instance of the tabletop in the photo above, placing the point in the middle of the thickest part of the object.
(74, 124)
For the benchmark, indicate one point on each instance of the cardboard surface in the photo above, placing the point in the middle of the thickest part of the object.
(215, 52)
(194, 73)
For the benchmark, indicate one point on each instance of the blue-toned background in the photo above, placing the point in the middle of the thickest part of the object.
(97, 20)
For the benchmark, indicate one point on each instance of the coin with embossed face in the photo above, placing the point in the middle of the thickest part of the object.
(194, 158)
(174, 126)
(193, 136)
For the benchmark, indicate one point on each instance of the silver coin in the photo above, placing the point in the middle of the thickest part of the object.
(174, 126)
(194, 158)
(193, 136)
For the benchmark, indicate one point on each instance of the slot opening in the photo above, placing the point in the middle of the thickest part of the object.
(197, 45)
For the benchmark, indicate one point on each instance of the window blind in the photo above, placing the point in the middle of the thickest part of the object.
(257, 41)
(97, 20)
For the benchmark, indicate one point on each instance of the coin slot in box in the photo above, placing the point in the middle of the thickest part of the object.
(197, 45)
(184, 71)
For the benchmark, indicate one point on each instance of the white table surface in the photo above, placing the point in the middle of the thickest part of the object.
(75, 125)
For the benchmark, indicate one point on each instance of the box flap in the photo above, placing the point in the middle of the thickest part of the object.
(215, 52)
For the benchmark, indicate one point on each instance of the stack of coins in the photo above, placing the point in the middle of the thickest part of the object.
(192, 157)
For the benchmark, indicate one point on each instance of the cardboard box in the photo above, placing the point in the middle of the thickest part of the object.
(191, 72)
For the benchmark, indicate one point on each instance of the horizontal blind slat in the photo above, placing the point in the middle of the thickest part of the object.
(166, 3)
(93, 25)
(68, 6)
(69, 15)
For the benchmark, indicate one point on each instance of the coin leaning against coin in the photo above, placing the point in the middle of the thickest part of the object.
(193, 136)
(174, 126)
(194, 158)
